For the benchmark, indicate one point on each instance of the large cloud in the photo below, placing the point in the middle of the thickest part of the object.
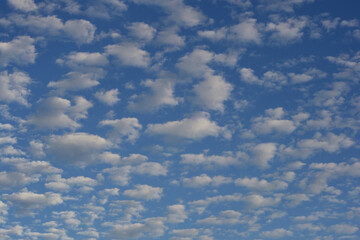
(20, 50)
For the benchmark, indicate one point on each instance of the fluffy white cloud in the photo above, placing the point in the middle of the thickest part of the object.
(9, 180)
(247, 31)
(195, 63)
(20, 50)
(161, 94)
(258, 201)
(269, 79)
(151, 168)
(228, 217)
(76, 148)
(261, 185)
(277, 233)
(81, 31)
(204, 180)
(129, 54)
(170, 37)
(290, 30)
(123, 128)
(74, 81)
(273, 123)
(27, 201)
(282, 5)
(212, 92)
(109, 97)
(197, 127)
(56, 113)
(262, 153)
(23, 5)
(83, 59)
(13, 87)
(145, 192)
(176, 213)
(344, 229)
(179, 13)
(142, 31)
(211, 160)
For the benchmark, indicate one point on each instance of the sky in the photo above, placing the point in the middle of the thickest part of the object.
(179, 119)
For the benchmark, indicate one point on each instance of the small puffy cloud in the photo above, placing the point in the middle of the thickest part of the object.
(331, 98)
(7, 140)
(57, 183)
(142, 31)
(277, 233)
(161, 94)
(170, 37)
(204, 180)
(184, 234)
(81, 31)
(343, 229)
(76, 148)
(179, 12)
(269, 79)
(75, 81)
(9, 180)
(56, 113)
(34, 167)
(27, 201)
(212, 92)
(123, 128)
(23, 5)
(109, 97)
(119, 175)
(13, 87)
(20, 51)
(273, 123)
(144, 192)
(129, 54)
(281, 5)
(261, 185)
(288, 31)
(151, 168)
(83, 59)
(176, 213)
(262, 153)
(228, 217)
(258, 201)
(195, 63)
(247, 31)
(214, 35)
(211, 160)
(307, 76)
(36, 148)
(195, 128)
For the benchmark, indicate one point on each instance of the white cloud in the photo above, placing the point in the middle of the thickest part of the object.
(83, 59)
(27, 201)
(123, 128)
(56, 113)
(277, 233)
(282, 5)
(212, 160)
(331, 98)
(214, 35)
(8, 139)
(23, 5)
(269, 79)
(9, 180)
(307, 76)
(228, 217)
(109, 97)
(247, 31)
(343, 229)
(13, 87)
(258, 201)
(288, 31)
(119, 175)
(142, 31)
(20, 50)
(204, 180)
(195, 63)
(170, 37)
(273, 122)
(144, 192)
(161, 94)
(36, 148)
(195, 128)
(76, 148)
(176, 213)
(75, 81)
(212, 92)
(179, 13)
(262, 153)
(151, 168)
(129, 54)
(81, 31)
(184, 234)
(261, 185)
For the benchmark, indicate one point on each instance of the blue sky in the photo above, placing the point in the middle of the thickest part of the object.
(180, 120)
